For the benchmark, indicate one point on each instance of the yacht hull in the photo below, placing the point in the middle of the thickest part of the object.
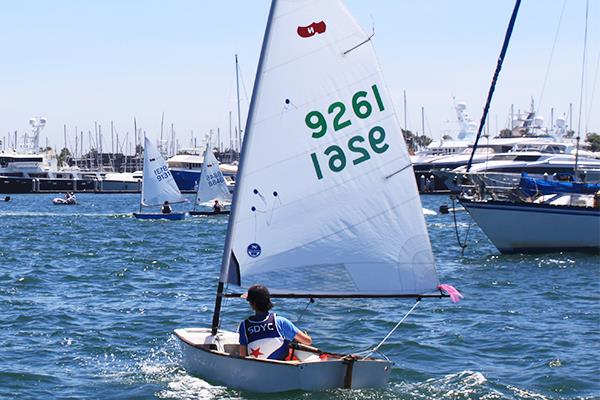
(121, 186)
(536, 228)
(270, 376)
(209, 213)
(12, 185)
(170, 216)
(187, 180)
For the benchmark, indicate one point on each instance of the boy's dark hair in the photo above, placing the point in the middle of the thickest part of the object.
(260, 296)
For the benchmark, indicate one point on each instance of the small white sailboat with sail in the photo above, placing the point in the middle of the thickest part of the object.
(213, 194)
(326, 204)
(158, 186)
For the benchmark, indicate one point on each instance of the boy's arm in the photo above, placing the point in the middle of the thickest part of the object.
(302, 337)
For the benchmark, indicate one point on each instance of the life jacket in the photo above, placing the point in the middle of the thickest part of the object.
(264, 339)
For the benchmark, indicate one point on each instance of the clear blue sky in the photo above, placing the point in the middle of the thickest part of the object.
(77, 62)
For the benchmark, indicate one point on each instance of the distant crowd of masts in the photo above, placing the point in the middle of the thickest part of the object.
(88, 150)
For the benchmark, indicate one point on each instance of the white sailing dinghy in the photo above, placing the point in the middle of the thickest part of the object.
(158, 185)
(211, 187)
(326, 204)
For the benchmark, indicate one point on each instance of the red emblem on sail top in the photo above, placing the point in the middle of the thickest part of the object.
(312, 29)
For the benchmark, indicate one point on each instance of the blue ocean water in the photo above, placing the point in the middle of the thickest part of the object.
(89, 298)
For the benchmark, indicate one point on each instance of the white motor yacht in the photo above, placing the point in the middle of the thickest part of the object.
(186, 167)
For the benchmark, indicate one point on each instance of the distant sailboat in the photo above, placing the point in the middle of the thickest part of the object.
(211, 187)
(158, 186)
(326, 204)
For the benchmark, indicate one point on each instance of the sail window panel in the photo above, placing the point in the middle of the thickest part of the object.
(311, 279)
(337, 279)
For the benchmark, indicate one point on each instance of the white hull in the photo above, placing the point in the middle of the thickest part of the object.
(530, 228)
(270, 375)
(121, 186)
(59, 201)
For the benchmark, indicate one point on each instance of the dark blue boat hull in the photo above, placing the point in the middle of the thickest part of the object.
(170, 216)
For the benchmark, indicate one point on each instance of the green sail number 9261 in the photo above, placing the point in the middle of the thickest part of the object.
(357, 145)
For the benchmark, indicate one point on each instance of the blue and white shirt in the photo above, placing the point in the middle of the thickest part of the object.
(267, 336)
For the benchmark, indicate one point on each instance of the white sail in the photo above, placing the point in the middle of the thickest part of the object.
(158, 185)
(212, 184)
(326, 201)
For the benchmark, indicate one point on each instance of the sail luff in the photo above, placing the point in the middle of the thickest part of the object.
(232, 216)
(234, 210)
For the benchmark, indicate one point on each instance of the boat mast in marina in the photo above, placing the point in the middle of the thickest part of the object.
(486, 108)
(587, 10)
(239, 114)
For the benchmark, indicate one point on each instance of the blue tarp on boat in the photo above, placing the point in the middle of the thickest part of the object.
(532, 186)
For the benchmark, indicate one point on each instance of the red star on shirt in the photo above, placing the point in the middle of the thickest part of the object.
(256, 352)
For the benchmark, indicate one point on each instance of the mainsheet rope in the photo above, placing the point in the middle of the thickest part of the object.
(310, 301)
(376, 348)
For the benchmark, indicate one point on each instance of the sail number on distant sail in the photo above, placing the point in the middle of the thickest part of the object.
(358, 146)
(162, 173)
(215, 179)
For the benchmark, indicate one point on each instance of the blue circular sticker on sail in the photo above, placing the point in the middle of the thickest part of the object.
(254, 250)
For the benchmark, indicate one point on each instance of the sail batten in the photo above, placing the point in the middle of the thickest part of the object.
(326, 201)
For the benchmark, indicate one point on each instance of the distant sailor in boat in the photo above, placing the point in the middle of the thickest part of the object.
(166, 208)
(70, 197)
(217, 207)
(265, 334)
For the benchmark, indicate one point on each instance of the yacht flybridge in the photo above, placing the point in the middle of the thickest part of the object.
(526, 133)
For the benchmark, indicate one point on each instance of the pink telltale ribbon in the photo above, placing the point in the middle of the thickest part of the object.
(451, 291)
